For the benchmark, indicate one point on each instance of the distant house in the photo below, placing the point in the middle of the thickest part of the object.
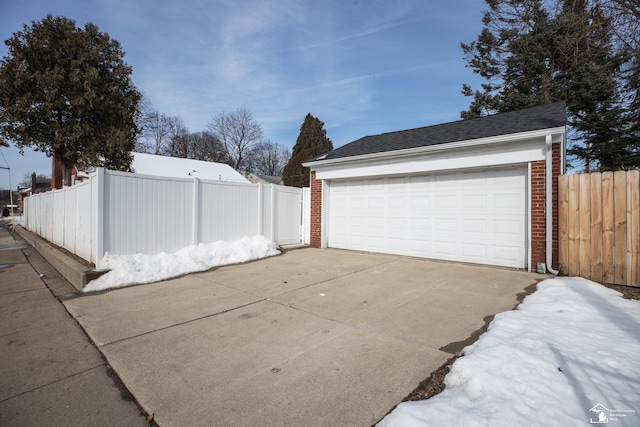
(57, 175)
(174, 167)
(39, 185)
(263, 179)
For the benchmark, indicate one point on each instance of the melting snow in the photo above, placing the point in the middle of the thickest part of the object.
(568, 356)
(139, 268)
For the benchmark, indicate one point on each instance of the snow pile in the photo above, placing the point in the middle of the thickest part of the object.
(139, 268)
(568, 356)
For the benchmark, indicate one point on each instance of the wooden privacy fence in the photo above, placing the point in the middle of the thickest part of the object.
(599, 224)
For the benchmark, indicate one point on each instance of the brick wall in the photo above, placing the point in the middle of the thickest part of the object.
(56, 174)
(538, 210)
(538, 214)
(316, 212)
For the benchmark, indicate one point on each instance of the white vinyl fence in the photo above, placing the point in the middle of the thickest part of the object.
(125, 213)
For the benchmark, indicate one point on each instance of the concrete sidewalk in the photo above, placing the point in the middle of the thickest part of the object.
(311, 337)
(52, 375)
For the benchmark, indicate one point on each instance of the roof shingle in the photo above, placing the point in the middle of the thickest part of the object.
(529, 119)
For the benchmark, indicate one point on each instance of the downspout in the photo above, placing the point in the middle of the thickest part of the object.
(549, 203)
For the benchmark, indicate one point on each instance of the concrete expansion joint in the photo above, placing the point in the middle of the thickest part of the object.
(336, 277)
(311, 313)
(75, 374)
(186, 322)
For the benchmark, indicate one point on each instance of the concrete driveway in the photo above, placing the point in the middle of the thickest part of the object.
(311, 337)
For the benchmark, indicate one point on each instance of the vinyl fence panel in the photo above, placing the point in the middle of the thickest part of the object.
(83, 219)
(124, 213)
(146, 214)
(288, 227)
(228, 211)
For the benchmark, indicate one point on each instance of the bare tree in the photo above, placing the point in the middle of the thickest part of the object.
(269, 158)
(197, 145)
(205, 146)
(157, 132)
(238, 131)
(178, 145)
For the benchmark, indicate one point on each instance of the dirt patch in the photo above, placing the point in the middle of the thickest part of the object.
(432, 385)
(629, 292)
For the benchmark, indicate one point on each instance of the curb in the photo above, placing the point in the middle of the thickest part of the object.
(74, 272)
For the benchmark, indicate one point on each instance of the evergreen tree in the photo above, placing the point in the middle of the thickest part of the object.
(311, 143)
(67, 92)
(534, 52)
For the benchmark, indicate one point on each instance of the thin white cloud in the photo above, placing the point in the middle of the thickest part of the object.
(363, 33)
(360, 66)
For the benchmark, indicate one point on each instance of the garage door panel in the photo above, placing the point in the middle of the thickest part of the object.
(506, 253)
(475, 251)
(474, 201)
(508, 201)
(446, 201)
(473, 216)
(445, 249)
(478, 226)
(507, 228)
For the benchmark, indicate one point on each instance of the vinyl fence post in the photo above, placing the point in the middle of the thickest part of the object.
(98, 215)
(274, 212)
(260, 210)
(196, 212)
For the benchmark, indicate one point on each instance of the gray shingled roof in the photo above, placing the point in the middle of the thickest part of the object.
(529, 119)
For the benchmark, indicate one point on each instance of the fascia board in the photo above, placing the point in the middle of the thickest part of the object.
(439, 147)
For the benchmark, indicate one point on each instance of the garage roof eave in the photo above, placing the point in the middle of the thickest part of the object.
(438, 147)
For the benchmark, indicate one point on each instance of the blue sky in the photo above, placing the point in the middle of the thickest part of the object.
(363, 67)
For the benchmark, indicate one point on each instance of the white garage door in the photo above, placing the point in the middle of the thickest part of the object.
(473, 216)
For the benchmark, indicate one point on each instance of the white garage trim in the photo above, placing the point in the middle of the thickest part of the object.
(495, 151)
(475, 215)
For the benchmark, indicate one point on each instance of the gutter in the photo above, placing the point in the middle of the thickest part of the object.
(549, 203)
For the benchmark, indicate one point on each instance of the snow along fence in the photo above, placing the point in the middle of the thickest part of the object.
(124, 213)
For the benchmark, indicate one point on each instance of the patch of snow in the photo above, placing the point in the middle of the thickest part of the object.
(568, 356)
(137, 269)
(13, 220)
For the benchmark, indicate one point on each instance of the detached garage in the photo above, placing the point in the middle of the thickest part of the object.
(479, 191)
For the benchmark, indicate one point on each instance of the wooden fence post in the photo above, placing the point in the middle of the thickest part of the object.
(596, 227)
(563, 224)
(633, 228)
(620, 227)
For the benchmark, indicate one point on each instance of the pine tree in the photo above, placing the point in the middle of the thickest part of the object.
(67, 92)
(534, 52)
(311, 143)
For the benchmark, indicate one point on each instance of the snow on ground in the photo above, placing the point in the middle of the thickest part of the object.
(139, 268)
(568, 356)
(13, 220)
